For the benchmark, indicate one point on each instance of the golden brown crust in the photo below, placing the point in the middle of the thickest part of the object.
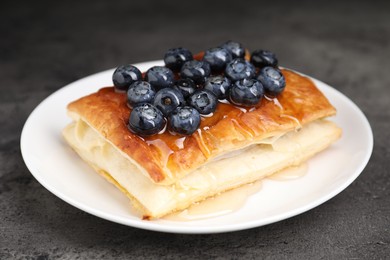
(168, 157)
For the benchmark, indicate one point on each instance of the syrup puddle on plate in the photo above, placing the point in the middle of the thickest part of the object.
(219, 205)
(232, 200)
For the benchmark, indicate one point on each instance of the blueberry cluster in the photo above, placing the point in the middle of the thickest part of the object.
(178, 94)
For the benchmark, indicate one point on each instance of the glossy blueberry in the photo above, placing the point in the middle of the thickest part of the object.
(217, 58)
(219, 85)
(246, 92)
(239, 69)
(167, 99)
(140, 92)
(204, 101)
(184, 120)
(146, 119)
(262, 58)
(175, 58)
(272, 80)
(198, 71)
(235, 48)
(159, 77)
(125, 75)
(186, 86)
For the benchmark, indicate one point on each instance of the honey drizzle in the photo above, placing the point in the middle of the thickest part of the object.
(180, 142)
(170, 142)
(246, 131)
(164, 150)
(275, 101)
(298, 124)
(202, 145)
(226, 113)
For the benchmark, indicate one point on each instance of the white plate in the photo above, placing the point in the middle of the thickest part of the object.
(63, 173)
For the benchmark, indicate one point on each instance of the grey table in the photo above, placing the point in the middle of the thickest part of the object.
(48, 44)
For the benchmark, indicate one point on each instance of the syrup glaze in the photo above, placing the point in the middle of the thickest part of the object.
(166, 143)
(238, 118)
(229, 128)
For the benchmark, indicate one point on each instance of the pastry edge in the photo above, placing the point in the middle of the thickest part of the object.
(254, 176)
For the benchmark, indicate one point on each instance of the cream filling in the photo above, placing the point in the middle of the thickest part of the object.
(250, 164)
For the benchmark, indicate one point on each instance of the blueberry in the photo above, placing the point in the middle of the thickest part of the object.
(167, 99)
(184, 120)
(217, 58)
(272, 80)
(239, 69)
(262, 58)
(198, 71)
(235, 48)
(124, 76)
(159, 77)
(246, 92)
(175, 58)
(145, 120)
(140, 92)
(204, 101)
(186, 86)
(219, 85)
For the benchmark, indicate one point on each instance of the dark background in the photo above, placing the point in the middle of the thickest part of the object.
(46, 45)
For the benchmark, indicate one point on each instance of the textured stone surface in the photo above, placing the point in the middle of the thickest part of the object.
(46, 45)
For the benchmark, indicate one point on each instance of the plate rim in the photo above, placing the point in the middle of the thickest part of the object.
(195, 229)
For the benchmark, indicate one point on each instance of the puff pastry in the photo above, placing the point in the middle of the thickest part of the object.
(165, 173)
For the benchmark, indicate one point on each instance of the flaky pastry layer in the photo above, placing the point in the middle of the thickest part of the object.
(251, 164)
(167, 158)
